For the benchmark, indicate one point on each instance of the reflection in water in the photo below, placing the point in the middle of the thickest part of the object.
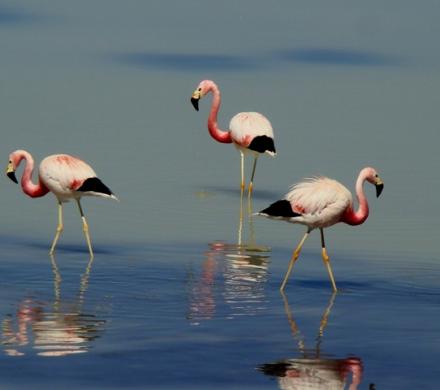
(311, 370)
(53, 330)
(201, 294)
(243, 267)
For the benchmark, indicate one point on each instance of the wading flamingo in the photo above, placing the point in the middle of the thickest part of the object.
(319, 203)
(251, 132)
(66, 177)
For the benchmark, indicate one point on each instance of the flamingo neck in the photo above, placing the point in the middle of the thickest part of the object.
(216, 133)
(358, 217)
(30, 188)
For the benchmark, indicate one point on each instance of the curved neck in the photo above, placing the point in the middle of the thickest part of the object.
(358, 217)
(29, 188)
(216, 133)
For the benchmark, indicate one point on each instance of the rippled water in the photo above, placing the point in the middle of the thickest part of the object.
(209, 314)
(184, 290)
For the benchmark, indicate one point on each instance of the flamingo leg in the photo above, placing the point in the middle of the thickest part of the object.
(85, 228)
(326, 260)
(293, 259)
(242, 171)
(59, 228)
(251, 183)
(240, 225)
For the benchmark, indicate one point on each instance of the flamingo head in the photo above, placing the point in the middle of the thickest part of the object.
(372, 177)
(202, 89)
(14, 161)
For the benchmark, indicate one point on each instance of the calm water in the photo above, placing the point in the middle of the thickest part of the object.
(183, 293)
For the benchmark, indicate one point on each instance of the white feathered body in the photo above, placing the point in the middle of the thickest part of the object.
(245, 126)
(320, 201)
(63, 174)
(317, 202)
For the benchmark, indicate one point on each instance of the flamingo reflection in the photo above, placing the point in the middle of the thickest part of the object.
(58, 329)
(312, 370)
(242, 268)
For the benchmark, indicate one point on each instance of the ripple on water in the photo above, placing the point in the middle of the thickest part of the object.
(231, 283)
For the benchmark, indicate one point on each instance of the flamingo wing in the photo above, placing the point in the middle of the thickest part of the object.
(63, 174)
(252, 130)
(320, 201)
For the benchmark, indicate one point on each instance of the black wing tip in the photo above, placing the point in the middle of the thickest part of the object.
(274, 369)
(262, 144)
(281, 208)
(93, 184)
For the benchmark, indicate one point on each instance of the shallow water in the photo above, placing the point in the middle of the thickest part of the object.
(183, 293)
(201, 315)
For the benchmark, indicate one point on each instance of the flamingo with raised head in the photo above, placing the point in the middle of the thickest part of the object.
(321, 202)
(251, 132)
(67, 177)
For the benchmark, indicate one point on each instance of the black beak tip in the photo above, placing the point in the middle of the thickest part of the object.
(11, 175)
(195, 103)
(379, 189)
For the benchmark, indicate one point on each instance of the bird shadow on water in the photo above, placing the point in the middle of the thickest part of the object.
(72, 248)
(313, 369)
(256, 194)
(338, 56)
(344, 286)
(196, 62)
(32, 243)
(184, 62)
(14, 16)
(56, 328)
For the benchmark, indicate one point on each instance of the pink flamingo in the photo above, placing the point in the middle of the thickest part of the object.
(66, 177)
(251, 132)
(319, 203)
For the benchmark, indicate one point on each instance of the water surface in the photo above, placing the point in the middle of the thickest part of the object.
(183, 293)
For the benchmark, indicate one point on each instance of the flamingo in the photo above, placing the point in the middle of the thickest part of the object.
(67, 177)
(251, 132)
(321, 202)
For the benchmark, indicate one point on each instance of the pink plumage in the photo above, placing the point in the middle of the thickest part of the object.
(245, 127)
(67, 177)
(250, 132)
(322, 202)
(64, 175)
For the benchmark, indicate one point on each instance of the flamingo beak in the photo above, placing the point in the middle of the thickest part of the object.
(10, 172)
(195, 99)
(379, 187)
(195, 103)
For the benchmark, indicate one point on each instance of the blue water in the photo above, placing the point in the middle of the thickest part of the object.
(198, 314)
(183, 293)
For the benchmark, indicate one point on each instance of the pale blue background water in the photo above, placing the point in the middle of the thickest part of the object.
(344, 84)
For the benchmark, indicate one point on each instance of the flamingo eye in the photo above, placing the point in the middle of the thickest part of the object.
(376, 175)
(199, 89)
